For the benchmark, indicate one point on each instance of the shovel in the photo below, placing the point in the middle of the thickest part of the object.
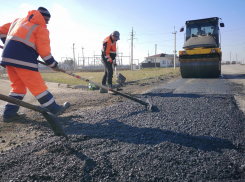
(52, 120)
(120, 79)
(148, 105)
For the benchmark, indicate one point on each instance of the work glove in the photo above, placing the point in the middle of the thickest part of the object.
(114, 63)
(3, 40)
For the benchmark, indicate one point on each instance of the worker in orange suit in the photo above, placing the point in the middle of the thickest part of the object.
(24, 40)
(108, 55)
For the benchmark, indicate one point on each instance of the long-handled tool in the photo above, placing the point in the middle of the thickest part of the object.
(148, 105)
(52, 120)
(120, 79)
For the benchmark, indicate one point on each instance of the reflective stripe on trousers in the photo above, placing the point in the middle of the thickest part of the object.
(12, 109)
(22, 79)
(46, 99)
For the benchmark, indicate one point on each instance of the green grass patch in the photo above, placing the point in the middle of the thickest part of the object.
(146, 73)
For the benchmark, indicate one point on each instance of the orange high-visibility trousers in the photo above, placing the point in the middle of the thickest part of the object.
(23, 78)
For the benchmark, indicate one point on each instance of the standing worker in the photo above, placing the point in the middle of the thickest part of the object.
(109, 52)
(24, 40)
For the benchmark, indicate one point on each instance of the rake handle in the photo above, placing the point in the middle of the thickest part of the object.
(116, 70)
(99, 85)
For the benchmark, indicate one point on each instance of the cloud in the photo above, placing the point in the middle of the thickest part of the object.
(64, 32)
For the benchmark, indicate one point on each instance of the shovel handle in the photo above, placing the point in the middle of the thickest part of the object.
(79, 77)
(52, 120)
(116, 70)
(21, 103)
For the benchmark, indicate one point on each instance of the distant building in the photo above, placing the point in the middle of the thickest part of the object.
(162, 60)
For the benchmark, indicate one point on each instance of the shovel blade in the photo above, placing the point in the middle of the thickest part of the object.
(54, 124)
(120, 79)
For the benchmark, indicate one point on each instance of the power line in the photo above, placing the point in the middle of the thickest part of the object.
(157, 30)
(155, 33)
(74, 57)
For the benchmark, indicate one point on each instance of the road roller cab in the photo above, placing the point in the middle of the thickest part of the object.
(201, 57)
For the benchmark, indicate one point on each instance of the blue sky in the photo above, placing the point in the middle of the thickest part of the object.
(87, 23)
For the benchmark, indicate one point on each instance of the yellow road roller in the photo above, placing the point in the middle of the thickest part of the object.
(201, 57)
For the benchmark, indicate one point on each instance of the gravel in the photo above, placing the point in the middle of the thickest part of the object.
(192, 137)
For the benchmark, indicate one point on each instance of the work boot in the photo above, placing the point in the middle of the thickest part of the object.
(15, 117)
(118, 88)
(62, 108)
(110, 92)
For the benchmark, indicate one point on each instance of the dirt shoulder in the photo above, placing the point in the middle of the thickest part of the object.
(235, 75)
(83, 99)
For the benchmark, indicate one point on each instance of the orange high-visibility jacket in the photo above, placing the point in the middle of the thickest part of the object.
(27, 38)
(109, 49)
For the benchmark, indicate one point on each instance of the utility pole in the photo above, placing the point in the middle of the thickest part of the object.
(83, 57)
(117, 57)
(94, 59)
(155, 56)
(77, 59)
(121, 58)
(174, 45)
(74, 57)
(230, 57)
(236, 58)
(132, 37)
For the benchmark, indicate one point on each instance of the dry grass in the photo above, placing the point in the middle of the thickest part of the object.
(97, 76)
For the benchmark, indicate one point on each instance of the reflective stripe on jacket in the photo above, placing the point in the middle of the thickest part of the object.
(27, 38)
(109, 49)
(4, 31)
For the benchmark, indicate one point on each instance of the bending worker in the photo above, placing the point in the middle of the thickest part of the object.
(108, 55)
(24, 40)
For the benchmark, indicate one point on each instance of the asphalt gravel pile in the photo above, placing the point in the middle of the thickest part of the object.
(191, 137)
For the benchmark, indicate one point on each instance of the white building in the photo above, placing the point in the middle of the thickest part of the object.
(165, 60)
